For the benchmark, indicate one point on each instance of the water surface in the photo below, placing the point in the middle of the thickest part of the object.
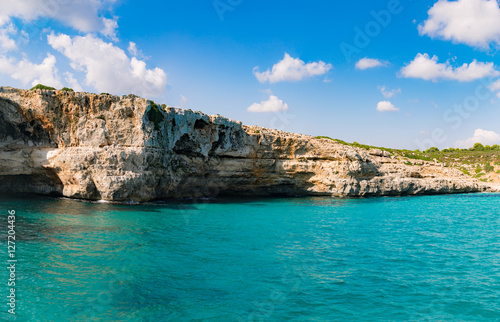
(310, 259)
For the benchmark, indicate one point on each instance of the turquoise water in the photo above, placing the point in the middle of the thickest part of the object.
(312, 259)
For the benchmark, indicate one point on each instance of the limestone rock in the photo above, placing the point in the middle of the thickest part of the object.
(94, 147)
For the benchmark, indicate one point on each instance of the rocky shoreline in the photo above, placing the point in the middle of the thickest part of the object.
(126, 148)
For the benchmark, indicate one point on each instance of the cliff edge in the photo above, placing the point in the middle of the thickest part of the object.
(126, 148)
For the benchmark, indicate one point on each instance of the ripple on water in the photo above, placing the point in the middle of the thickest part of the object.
(316, 259)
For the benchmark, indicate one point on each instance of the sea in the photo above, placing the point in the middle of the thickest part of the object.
(427, 258)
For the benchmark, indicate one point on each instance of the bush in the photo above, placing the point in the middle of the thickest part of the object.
(488, 168)
(40, 86)
(478, 147)
(155, 115)
(432, 150)
(67, 89)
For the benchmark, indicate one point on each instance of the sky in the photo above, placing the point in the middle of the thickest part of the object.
(395, 73)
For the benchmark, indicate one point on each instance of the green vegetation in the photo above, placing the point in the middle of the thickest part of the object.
(155, 115)
(105, 94)
(432, 150)
(404, 153)
(477, 161)
(40, 86)
(67, 89)
(488, 168)
(465, 171)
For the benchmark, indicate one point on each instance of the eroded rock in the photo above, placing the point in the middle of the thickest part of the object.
(106, 147)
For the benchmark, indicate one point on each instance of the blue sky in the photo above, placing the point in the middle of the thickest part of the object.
(404, 74)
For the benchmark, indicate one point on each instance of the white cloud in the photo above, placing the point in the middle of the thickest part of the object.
(108, 68)
(480, 136)
(72, 82)
(365, 63)
(184, 101)
(79, 14)
(495, 86)
(28, 72)
(7, 29)
(135, 52)
(472, 22)
(109, 28)
(389, 93)
(386, 106)
(292, 69)
(132, 49)
(429, 69)
(273, 104)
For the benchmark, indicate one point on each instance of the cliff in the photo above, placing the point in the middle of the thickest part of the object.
(126, 148)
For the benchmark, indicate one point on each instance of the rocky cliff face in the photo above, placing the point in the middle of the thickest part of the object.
(125, 148)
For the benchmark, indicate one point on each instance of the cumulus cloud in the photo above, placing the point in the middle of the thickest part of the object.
(273, 104)
(428, 68)
(107, 67)
(7, 29)
(29, 73)
(480, 136)
(472, 22)
(291, 69)
(81, 15)
(389, 93)
(386, 106)
(365, 63)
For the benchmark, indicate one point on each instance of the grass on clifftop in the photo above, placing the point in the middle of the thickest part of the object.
(40, 86)
(155, 115)
(477, 155)
(45, 87)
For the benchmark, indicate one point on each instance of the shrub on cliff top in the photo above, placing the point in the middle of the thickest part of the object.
(67, 89)
(432, 150)
(155, 115)
(40, 86)
(477, 147)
